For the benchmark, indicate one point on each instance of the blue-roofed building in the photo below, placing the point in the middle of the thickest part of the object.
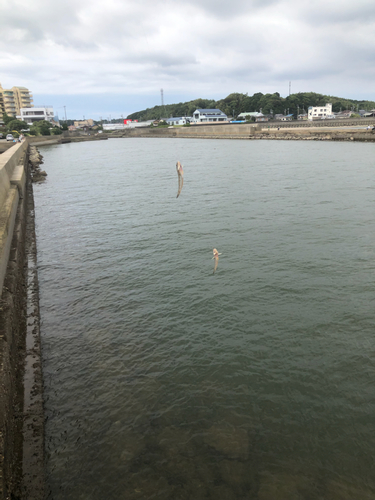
(209, 116)
(180, 120)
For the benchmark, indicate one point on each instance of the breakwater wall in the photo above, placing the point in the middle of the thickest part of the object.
(21, 406)
(257, 131)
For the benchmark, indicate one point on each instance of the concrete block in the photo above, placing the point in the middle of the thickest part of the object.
(8, 213)
(19, 179)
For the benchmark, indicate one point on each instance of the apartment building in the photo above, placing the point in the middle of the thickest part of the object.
(320, 112)
(12, 100)
(36, 113)
(84, 123)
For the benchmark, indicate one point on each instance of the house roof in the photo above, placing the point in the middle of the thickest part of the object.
(251, 113)
(205, 111)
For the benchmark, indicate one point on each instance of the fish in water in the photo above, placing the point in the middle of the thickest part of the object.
(180, 173)
(216, 257)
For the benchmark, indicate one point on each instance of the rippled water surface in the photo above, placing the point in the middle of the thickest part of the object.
(166, 381)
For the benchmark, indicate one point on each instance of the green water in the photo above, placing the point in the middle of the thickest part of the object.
(166, 381)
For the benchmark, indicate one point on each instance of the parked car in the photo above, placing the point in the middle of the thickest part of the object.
(10, 137)
(1, 136)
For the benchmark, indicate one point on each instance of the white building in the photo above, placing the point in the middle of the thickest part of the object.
(287, 118)
(250, 114)
(125, 126)
(208, 116)
(319, 112)
(258, 117)
(31, 115)
(181, 120)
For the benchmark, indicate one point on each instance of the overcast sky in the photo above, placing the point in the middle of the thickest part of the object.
(112, 57)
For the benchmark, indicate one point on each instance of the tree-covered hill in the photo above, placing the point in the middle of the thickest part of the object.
(234, 104)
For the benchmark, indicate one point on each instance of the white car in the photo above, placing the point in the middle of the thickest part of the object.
(10, 137)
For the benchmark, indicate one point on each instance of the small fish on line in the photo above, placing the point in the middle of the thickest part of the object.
(180, 173)
(216, 257)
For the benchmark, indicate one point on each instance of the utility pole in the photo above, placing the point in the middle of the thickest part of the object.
(65, 112)
(162, 102)
(290, 87)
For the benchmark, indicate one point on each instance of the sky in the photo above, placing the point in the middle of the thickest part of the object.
(111, 58)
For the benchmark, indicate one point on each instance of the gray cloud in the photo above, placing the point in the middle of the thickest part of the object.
(205, 47)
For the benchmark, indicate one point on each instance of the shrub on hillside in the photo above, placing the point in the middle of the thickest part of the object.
(56, 131)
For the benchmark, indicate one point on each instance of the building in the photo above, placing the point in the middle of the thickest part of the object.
(129, 124)
(367, 114)
(249, 114)
(36, 114)
(12, 100)
(208, 116)
(287, 118)
(181, 120)
(319, 112)
(84, 123)
(2, 108)
(344, 114)
(258, 117)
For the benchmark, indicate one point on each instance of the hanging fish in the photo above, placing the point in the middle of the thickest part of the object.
(216, 257)
(180, 173)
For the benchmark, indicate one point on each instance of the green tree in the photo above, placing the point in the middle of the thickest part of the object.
(7, 118)
(237, 103)
(17, 125)
(56, 131)
(43, 127)
(34, 131)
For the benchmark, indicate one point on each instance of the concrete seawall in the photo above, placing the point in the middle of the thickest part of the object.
(256, 132)
(21, 405)
(12, 188)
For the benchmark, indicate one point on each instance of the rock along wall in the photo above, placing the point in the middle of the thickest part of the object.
(21, 445)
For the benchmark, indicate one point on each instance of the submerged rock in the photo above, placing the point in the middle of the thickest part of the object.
(285, 487)
(341, 490)
(231, 442)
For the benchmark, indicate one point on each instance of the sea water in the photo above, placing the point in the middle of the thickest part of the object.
(164, 380)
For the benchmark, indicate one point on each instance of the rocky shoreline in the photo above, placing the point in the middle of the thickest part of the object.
(35, 160)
